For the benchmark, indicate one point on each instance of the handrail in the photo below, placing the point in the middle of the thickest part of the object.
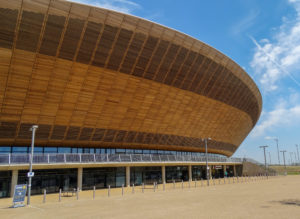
(14, 158)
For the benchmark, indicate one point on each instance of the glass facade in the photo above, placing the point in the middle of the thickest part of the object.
(103, 177)
(5, 180)
(229, 170)
(146, 175)
(176, 173)
(52, 180)
(217, 171)
(198, 172)
(75, 150)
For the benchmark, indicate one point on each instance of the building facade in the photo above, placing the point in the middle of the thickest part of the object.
(100, 82)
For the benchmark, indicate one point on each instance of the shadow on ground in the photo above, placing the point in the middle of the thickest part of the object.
(294, 202)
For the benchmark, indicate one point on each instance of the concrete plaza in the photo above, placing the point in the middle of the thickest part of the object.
(276, 197)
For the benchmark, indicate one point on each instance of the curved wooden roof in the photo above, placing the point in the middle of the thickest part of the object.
(94, 77)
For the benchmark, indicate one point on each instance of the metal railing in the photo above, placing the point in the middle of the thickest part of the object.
(107, 158)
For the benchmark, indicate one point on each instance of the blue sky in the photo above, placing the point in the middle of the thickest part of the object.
(262, 36)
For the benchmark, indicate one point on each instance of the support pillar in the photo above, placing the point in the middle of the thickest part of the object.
(163, 174)
(128, 176)
(14, 181)
(210, 176)
(224, 170)
(79, 178)
(234, 171)
(190, 173)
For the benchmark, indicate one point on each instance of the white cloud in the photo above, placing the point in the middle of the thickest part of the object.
(277, 58)
(125, 6)
(286, 113)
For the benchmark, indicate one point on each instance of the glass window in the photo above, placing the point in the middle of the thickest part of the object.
(138, 151)
(92, 150)
(112, 151)
(103, 151)
(108, 151)
(153, 152)
(129, 151)
(120, 151)
(38, 150)
(20, 150)
(98, 151)
(79, 150)
(50, 150)
(74, 150)
(146, 151)
(86, 150)
(64, 150)
(4, 150)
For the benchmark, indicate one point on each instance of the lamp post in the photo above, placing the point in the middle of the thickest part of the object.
(283, 154)
(33, 129)
(298, 153)
(264, 147)
(276, 139)
(207, 170)
(270, 157)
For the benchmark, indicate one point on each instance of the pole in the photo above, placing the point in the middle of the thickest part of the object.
(283, 153)
(264, 147)
(291, 155)
(298, 153)
(276, 139)
(206, 158)
(33, 129)
(270, 157)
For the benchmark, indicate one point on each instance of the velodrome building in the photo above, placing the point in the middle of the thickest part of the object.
(117, 100)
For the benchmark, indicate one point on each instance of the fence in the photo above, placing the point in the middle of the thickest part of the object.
(107, 158)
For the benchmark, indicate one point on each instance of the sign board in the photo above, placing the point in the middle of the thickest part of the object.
(19, 195)
(218, 167)
(30, 174)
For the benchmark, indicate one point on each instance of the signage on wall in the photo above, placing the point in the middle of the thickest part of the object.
(19, 195)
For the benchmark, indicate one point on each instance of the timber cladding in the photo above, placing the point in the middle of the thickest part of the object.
(93, 77)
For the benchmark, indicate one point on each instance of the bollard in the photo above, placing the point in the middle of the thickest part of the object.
(233, 180)
(237, 179)
(189, 184)
(173, 184)
(219, 181)
(164, 186)
(122, 189)
(59, 196)
(132, 188)
(228, 180)
(182, 184)
(44, 199)
(77, 193)
(154, 186)
(195, 183)
(224, 180)
(201, 182)
(143, 187)
(94, 192)
(108, 191)
(213, 181)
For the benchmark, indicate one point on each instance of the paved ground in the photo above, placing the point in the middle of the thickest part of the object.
(278, 197)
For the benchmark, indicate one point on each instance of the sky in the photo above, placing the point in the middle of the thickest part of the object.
(263, 37)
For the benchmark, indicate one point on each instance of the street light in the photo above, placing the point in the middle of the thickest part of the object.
(33, 129)
(270, 157)
(264, 147)
(207, 170)
(283, 153)
(298, 153)
(276, 139)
